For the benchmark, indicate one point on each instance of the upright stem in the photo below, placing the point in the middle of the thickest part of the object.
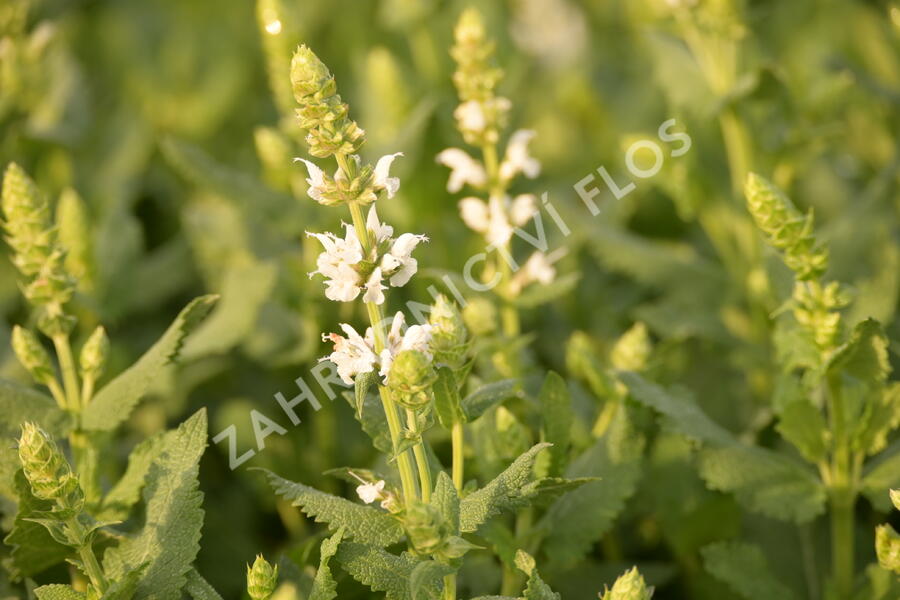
(421, 461)
(70, 375)
(404, 463)
(842, 497)
(86, 553)
(458, 441)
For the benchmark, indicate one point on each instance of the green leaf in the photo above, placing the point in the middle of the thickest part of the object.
(446, 501)
(378, 569)
(864, 356)
(557, 417)
(324, 585)
(127, 491)
(803, 425)
(426, 577)
(578, 519)
(361, 522)
(743, 567)
(446, 399)
(113, 404)
(199, 589)
(244, 290)
(33, 547)
(881, 475)
(762, 480)
(170, 538)
(58, 592)
(487, 396)
(362, 383)
(500, 494)
(535, 588)
(373, 420)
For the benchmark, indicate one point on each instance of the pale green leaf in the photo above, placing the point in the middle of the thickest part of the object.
(426, 577)
(487, 396)
(378, 569)
(535, 588)
(324, 585)
(803, 425)
(501, 493)
(114, 402)
(446, 398)
(557, 417)
(33, 547)
(881, 475)
(744, 568)
(198, 588)
(168, 542)
(19, 403)
(362, 523)
(446, 501)
(58, 592)
(127, 491)
(864, 356)
(361, 386)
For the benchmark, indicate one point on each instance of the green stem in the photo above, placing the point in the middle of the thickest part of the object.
(458, 441)
(87, 389)
(736, 147)
(450, 587)
(58, 394)
(513, 579)
(70, 375)
(425, 484)
(842, 496)
(86, 553)
(404, 463)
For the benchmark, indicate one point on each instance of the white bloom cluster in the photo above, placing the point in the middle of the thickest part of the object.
(348, 271)
(356, 354)
(497, 218)
(466, 170)
(329, 190)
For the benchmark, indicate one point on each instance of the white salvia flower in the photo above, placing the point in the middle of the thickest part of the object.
(381, 231)
(370, 492)
(470, 116)
(375, 288)
(416, 337)
(497, 218)
(464, 169)
(523, 208)
(399, 260)
(381, 177)
(538, 268)
(352, 354)
(517, 160)
(336, 264)
(316, 179)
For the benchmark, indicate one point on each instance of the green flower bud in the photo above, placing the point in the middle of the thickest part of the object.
(309, 75)
(895, 498)
(32, 355)
(449, 337)
(630, 586)
(480, 316)
(425, 527)
(74, 226)
(786, 228)
(27, 221)
(47, 470)
(411, 374)
(887, 547)
(632, 349)
(94, 353)
(816, 308)
(262, 579)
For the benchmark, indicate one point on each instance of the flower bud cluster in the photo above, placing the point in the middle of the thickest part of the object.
(47, 471)
(262, 579)
(32, 355)
(630, 586)
(430, 534)
(36, 250)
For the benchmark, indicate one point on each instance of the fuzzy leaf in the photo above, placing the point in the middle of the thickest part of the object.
(535, 588)
(581, 517)
(803, 425)
(19, 404)
(881, 475)
(170, 538)
(362, 383)
(127, 491)
(372, 419)
(446, 399)
(557, 417)
(33, 547)
(487, 396)
(324, 585)
(744, 568)
(58, 592)
(426, 577)
(446, 500)
(113, 404)
(199, 589)
(378, 569)
(864, 356)
(361, 522)
(500, 494)
(762, 480)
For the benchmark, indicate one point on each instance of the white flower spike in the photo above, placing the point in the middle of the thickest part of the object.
(352, 354)
(463, 169)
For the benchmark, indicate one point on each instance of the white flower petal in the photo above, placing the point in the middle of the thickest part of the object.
(474, 213)
(470, 116)
(381, 176)
(523, 208)
(463, 169)
(517, 160)
(375, 288)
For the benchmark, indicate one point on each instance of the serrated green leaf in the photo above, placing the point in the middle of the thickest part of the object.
(58, 592)
(803, 425)
(426, 577)
(114, 402)
(372, 420)
(578, 519)
(33, 547)
(762, 480)
(362, 523)
(535, 588)
(744, 568)
(446, 501)
(244, 290)
(19, 404)
(500, 494)
(556, 417)
(324, 585)
(864, 356)
(879, 416)
(199, 589)
(881, 475)
(127, 491)
(446, 399)
(168, 542)
(361, 386)
(378, 569)
(487, 396)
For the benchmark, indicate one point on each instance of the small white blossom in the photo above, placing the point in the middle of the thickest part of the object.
(463, 169)
(370, 492)
(381, 176)
(316, 180)
(497, 219)
(352, 354)
(470, 116)
(538, 268)
(336, 264)
(416, 337)
(375, 288)
(517, 160)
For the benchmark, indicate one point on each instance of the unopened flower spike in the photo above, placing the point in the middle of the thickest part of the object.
(262, 579)
(630, 586)
(47, 470)
(94, 353)
(32, 355)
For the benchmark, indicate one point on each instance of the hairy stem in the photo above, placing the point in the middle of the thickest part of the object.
(70, 375)
(458, 441)
(88, 559)
(421, 460)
